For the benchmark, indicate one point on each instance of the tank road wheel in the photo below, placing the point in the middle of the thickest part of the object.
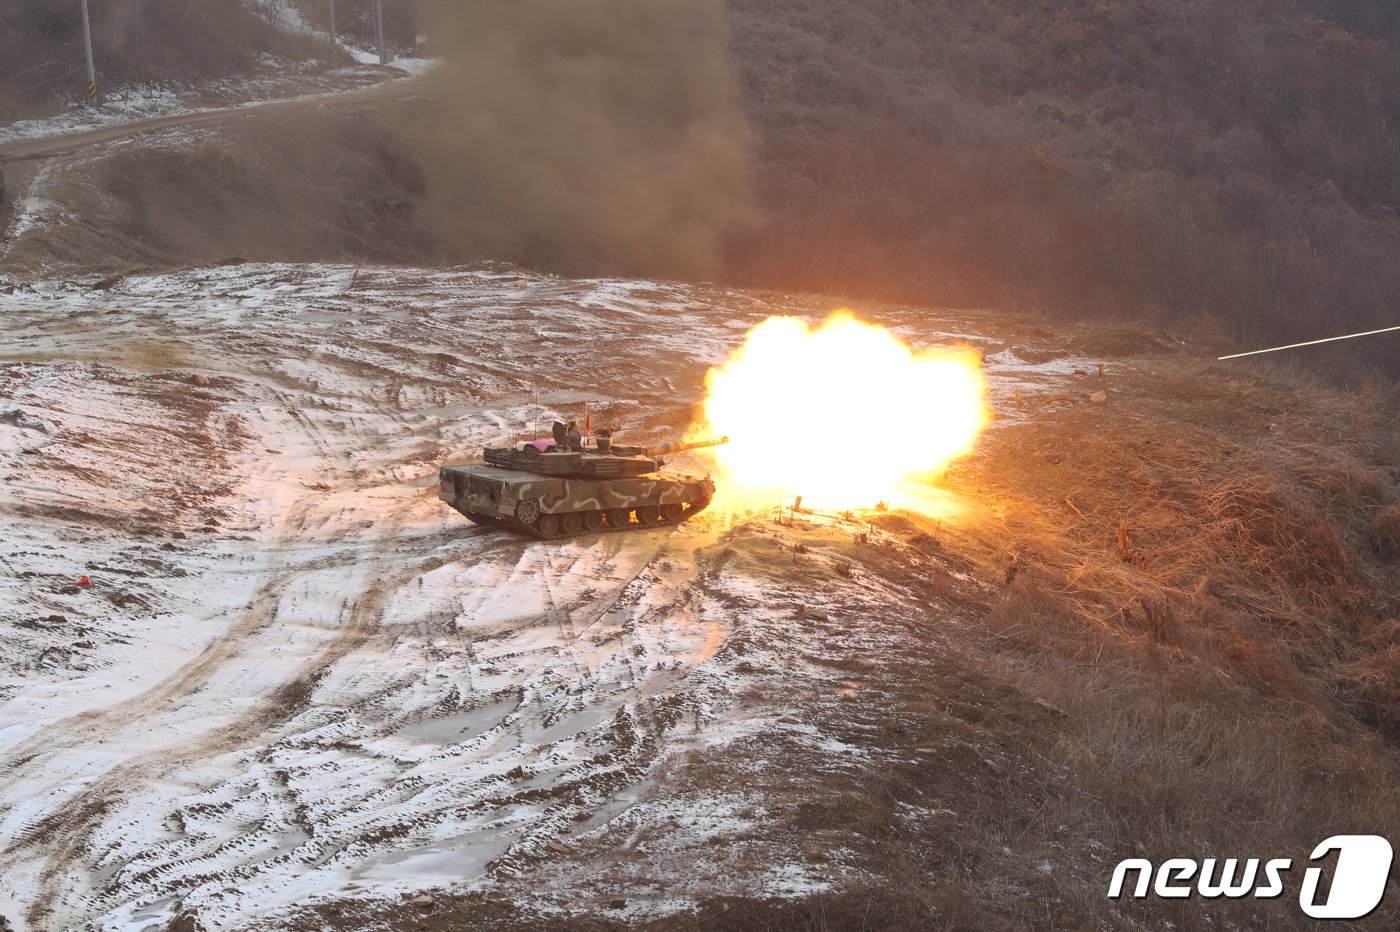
(528, 511)
(571, 522)
(547, 525)
(619, 517)
(648, 514)
(592, 520)
(693, 507)
(672, 512)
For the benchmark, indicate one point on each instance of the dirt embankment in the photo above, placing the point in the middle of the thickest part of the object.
(295, 187)
(622, 151)
(147, 47)
(150, 43)
(300, 179)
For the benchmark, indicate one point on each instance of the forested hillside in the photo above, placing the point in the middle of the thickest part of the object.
(1181, 160)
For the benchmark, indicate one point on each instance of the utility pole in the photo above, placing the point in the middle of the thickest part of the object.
(87, 43)
(333, 42)
(378, 29)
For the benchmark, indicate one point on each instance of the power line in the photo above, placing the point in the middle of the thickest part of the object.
(1275, 349)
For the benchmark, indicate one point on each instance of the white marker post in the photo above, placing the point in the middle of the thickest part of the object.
(92, 72)
(379, 29)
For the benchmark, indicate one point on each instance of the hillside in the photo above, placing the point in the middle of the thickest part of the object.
(1207, 164)
(256, 676)
(208, 51)
(138, 44)
(1232, 165)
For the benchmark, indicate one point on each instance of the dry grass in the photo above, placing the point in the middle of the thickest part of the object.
(1269, 515)
(1231, 678)
(1386, 536)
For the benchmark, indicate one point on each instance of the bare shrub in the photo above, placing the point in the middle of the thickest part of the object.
(1386, 537)
(1372, 684)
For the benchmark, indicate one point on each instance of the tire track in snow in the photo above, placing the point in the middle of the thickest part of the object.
(65, 828)
(70, 836)
(387, 813)
(597, 654)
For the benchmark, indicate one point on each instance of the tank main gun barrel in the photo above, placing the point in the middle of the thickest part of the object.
(666, 449)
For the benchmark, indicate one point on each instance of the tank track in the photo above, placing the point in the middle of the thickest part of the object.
(607, 527)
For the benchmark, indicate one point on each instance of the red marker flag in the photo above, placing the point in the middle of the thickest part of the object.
(587, 421)
(81, 582)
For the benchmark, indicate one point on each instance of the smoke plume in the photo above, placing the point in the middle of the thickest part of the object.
(585, 135)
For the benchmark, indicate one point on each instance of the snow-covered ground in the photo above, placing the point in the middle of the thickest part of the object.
(295, 674)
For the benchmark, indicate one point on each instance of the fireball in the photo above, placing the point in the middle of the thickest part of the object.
(843, 415)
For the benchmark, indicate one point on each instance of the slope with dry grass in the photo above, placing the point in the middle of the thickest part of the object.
(1202, 577)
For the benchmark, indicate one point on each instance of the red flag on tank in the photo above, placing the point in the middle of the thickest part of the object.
(587, 421)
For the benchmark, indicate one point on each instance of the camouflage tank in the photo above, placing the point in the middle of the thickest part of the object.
(559, 488)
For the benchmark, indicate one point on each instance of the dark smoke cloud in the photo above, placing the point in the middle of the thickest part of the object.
(586, 133)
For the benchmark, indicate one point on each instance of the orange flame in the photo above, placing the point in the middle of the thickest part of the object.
(842, 415)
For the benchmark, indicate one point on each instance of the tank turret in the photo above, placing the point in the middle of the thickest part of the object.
(561, 487)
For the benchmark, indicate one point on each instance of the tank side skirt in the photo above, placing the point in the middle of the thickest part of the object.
(557, 496)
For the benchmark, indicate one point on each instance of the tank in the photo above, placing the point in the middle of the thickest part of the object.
(561, 487)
